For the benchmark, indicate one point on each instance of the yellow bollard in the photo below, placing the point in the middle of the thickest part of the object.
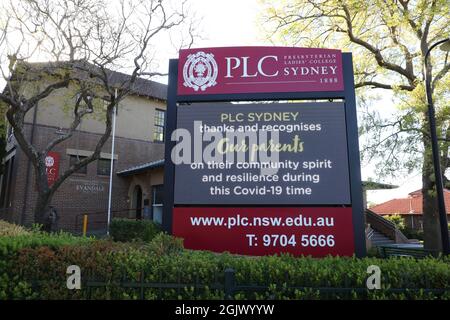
(85, 222)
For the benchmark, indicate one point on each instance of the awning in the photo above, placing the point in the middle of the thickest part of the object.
(142, 167)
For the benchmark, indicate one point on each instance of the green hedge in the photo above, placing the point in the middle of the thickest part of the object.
(11, 247)
(413, 234)
(126, 230)
(40, 273)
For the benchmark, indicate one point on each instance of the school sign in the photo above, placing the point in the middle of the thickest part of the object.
(251, 168)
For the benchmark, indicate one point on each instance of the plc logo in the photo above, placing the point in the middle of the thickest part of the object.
(49, 161)
(200, 71)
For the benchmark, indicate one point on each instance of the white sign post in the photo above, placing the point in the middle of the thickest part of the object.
(112, 164)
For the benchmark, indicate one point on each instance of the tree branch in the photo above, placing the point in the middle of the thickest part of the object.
(375, 51)
(31, 102)
(375, 84)
(75, 123)
(94, 156)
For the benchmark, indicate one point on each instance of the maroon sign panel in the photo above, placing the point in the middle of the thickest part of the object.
(259, 69)
(312, 203)
(52, 166)
(316, 231)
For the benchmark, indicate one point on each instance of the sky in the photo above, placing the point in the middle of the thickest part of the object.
(229, 23)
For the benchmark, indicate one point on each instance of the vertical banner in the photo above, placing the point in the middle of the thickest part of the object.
(52, 166)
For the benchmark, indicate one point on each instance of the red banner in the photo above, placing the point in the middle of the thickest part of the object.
(315, 231)
(259, 69)
(52, 166)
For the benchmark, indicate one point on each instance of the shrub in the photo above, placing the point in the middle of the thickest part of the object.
(413, 234)
(10, 245)
(397, 220)
(10, 229)
(373, 252)
(163, 243)
(39, 273)
(11, 285)
(133, 230)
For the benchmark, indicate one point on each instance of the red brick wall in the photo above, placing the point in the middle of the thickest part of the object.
(80, 193)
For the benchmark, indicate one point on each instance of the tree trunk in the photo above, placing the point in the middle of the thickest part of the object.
(431, 224)
(42, 210)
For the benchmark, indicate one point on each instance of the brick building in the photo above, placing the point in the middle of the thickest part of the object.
(138, 161)
(139, 139)
(410, 209)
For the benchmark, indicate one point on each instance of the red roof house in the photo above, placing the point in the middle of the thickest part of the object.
(409, 208)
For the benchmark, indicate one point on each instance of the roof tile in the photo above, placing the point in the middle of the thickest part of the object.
(407, 206)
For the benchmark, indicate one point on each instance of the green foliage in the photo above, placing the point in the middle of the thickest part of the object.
(10, 229)
(408, 232)
(373, 252)
(163, 243)
(133, 230)
(397, 220)
(9, 245)
(37, 227)
(386, 40)
(389, 41)
(11, 283)
(413, 234)
(39, 272)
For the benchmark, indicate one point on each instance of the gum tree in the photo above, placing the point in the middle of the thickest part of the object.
(85, 40)
(389, 40)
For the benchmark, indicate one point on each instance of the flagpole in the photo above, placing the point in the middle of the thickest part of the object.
(112, 162)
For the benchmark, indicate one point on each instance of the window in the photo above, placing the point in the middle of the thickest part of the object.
(158, 133)
(76, 159)
(157, 203)
(103, 167)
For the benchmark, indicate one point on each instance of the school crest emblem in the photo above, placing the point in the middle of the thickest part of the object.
(200, 71)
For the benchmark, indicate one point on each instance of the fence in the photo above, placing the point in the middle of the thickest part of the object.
(227, 287)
